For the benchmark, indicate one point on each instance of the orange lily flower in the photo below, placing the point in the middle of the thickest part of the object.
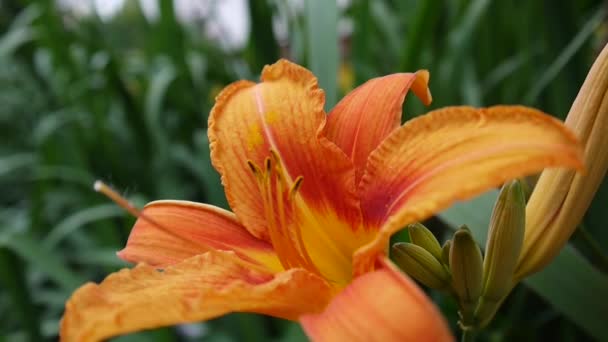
(315, 200)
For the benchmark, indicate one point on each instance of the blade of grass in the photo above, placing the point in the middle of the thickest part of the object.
(15, 162)
(78, 220)
(423, 19)
(323, 49)
(569, 51)
(12, 279)
(262, 47)
(32, 251)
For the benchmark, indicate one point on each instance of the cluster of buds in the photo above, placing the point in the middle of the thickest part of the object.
(479, 284)
(522, 238)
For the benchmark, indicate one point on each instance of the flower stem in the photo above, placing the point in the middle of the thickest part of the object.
(468, 335)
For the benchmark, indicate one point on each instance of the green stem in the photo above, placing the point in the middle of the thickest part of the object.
(468, 335)
(600, 257)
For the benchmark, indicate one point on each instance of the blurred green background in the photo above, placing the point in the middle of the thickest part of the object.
(121, 90)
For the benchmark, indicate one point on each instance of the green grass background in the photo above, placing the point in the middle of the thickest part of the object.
(126, 100)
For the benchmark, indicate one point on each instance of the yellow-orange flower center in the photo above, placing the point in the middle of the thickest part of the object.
(278, 193)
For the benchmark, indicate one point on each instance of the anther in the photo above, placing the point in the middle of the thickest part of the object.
(295, 186)
(275, 156)
(253, 167)
(101, 187)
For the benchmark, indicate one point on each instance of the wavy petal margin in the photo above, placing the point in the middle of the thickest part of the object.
(284, 114)
(453, 154)
(199, 288)
(173, 231)
(368, 114)
(384, 305)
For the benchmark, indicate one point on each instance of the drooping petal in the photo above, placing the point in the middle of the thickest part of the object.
(383, 305)
(454, 154)
(199, 288)
(171, 231)
(260, 133)
(368, 114)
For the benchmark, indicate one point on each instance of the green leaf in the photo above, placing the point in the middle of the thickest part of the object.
(12, 280)
(323, 50)
(262, 47)
(570, 283)
(16, 161)
(79, 219)
(566, 55)
(32, 251)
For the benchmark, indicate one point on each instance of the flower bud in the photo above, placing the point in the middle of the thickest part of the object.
(561, 197)
(420, 265)
(466, 265)
(445, 253)
(423, 237)
(503, 246)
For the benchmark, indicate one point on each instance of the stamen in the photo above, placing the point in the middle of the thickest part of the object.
(295, 187)
(101, 187)
(256, 170)
(278, 197)
(275, 157)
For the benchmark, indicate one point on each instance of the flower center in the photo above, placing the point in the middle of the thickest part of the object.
(278, 193)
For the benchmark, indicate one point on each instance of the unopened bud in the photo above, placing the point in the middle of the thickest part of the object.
(466, 265)
(420, 265)
(505, 239)
(423, 237)
(445, 252)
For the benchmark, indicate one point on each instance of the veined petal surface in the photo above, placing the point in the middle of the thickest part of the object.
(453, 154)
(171, 231)
(199, 288)
(368, 114)
(384, 306)
(276, 129)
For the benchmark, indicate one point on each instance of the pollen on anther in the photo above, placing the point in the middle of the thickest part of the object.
(295, 186)
(253, 167)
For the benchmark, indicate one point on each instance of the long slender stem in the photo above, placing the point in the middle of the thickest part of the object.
(468, 335)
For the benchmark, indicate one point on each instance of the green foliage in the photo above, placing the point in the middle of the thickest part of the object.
(126, 100)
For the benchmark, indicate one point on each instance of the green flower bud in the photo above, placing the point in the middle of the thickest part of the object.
(466, 265)
(445, 253)
(505, 239)
(421, 236)
(420, 265)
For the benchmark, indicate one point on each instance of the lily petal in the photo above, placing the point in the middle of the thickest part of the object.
(384, 305)
(454, 154)
(285, 114)
(275, 130)
(171, 231)
(368, 114)
(199, 288)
